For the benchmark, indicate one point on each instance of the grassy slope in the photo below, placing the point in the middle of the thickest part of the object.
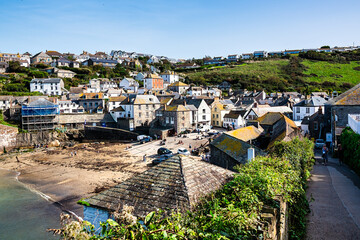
(317, 71)
(333, 72)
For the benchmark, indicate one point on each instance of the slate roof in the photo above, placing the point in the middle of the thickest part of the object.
(235, 114)
(260, 111)
(175, 184)
(41, 103)
(231, 146)
(312, 102)
(350, 97)
(46, 80)
(41, 54)
(141, 99)
(117, 99)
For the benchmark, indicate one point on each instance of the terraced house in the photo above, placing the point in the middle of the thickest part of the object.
(177, 117)
(140, 108)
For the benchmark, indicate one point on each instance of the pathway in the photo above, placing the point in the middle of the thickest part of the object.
(334, 193)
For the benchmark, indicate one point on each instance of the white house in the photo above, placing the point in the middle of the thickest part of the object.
(106, 85)
(202, 114)
(5, 102)
(94, 86)
(69, 106)
(153, 59)
(170, 77)
(246, 56)
(114, 102)
(49, 86)
(235, 119)
(129, 84)
(308, 107)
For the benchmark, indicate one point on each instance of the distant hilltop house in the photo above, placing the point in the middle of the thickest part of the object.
(260, 54)
(170, 77)
(176, 184)
(103, 62)
(49, 86)
(54, 54)
(41, 57)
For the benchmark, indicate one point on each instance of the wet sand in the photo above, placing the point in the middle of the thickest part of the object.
(66, 179)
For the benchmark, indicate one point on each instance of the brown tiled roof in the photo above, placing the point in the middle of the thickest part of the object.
(175, 184)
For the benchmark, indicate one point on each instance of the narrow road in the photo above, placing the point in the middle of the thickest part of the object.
(334, 196)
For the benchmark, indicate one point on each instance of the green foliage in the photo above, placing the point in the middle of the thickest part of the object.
(4, 122)
(234, 211)
(350, 142)
(295, 74)
(83, 202)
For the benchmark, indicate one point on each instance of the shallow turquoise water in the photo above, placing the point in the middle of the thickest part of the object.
(23, 213)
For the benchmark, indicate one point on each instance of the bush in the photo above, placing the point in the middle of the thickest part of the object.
(350, 142)
(233, 212)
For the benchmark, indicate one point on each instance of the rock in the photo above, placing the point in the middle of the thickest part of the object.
(54, 143)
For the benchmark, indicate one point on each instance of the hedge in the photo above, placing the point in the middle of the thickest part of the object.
(350, 142)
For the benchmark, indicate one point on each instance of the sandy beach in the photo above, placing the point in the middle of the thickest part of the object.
(66, 177)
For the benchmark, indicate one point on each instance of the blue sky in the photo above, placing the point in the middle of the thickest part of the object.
(180, 29)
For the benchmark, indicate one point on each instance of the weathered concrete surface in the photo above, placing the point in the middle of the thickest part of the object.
(335, 207)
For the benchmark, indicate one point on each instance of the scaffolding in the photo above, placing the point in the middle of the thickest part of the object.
(39, 115)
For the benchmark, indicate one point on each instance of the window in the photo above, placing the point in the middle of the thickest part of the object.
(217, 122)
(147, 107)
(172, 120)
(90, 104)
(217, 115)
(203, 110)
(215, 109)
(316, 126)
(213, 115)
(297, 110)
(139, 114)
(167, 119)
(147, 114)
(213, 122)
(298, 118)
(204, 117)
(307, 110)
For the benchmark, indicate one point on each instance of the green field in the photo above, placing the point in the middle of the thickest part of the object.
(271, 76)
(332, 72)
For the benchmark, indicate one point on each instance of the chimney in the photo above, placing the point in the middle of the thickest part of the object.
(250, 154)
(320, 110)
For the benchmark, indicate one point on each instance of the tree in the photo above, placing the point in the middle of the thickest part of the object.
(325, 47)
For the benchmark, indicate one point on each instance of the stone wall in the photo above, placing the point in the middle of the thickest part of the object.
(7, 136)
(43, 137)
(105, 133)
(277, 221)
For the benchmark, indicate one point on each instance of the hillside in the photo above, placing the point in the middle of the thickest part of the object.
(283, 75)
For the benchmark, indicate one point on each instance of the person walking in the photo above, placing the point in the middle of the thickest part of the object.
(144, 158)
(190, 146)
(340, 154)
(325, 152)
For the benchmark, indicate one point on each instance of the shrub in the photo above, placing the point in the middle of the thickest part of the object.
(350, 142)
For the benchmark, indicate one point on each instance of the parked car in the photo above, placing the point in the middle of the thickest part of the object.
(164, 151)
(140, 137)
(160, 159)
(212, 133)
(183, 151)
(319, 143)
(146, 139)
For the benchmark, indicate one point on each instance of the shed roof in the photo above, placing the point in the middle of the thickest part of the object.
(245, 133)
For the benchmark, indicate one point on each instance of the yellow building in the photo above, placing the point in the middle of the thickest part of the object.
(218, 110)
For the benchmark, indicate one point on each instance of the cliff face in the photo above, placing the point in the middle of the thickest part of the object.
(7, 136)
